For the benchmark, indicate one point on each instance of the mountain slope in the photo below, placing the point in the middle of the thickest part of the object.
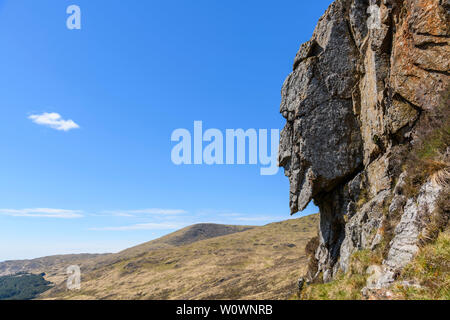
(52, 265)
(178, 238)
(258, 263)
(183, 237)
(55, 266)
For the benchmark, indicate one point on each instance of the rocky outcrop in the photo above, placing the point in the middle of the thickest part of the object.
(357, 91)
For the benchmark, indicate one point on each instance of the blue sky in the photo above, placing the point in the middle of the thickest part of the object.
(133, 74)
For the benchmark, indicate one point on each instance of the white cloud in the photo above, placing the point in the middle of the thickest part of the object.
(152, 211)
(261, 219)
(159, 211)
(54, 121)
(42, 213)
(140, 226)
(114, 214)
(234, 217)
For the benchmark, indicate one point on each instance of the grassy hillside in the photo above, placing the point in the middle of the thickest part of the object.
(255, 263)
(429, 271)
(178, 238)
(427, 277)
(55, 267)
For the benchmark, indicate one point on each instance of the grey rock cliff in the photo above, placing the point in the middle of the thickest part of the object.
(353, 99)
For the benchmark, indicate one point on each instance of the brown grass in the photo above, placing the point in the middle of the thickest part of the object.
(345, 286)
(260, 263)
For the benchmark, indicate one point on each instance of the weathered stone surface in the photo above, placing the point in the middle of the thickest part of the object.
(377, 175)
(400, 114)
(358, 16)
(352, 101)
(420, 50)
(317, 149)
(405, 243)
(362, 229)
(308, 49)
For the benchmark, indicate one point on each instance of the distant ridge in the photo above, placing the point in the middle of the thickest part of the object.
(55, 266)
(44, 264)
(203, 261)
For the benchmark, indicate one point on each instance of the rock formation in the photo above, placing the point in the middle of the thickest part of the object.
(359, 88)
